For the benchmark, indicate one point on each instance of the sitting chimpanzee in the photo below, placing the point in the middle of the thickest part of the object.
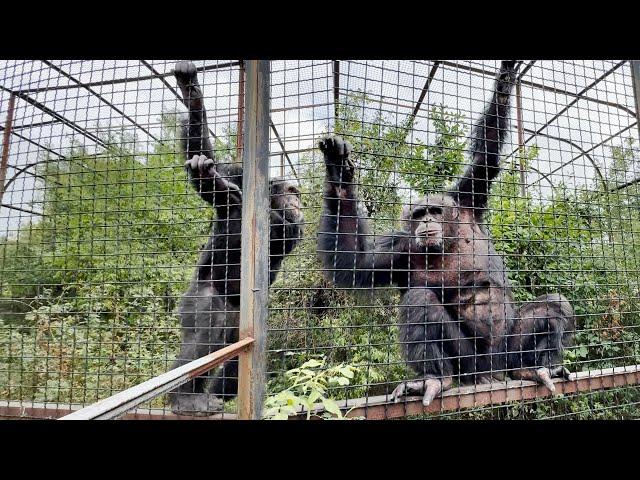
(457, 314)
(210, 309)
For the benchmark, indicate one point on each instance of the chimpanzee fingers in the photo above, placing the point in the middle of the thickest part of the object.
(560, 371)
(185, 72)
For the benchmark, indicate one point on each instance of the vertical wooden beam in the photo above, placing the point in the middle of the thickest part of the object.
(255, 239)
(240, 125)
(6, 143)
(635, 74)
(520, 135)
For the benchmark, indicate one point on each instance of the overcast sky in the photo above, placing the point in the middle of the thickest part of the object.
(302, 108)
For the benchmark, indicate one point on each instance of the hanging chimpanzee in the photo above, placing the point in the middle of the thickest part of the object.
(457, 314)
(210, 308)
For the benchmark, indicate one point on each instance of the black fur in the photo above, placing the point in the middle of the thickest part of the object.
(210, 308)
(456, 314)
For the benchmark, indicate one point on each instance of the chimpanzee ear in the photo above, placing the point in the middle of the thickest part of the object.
(455, 212)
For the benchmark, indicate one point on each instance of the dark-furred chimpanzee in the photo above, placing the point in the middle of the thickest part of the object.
(457, 315)
(210, 309)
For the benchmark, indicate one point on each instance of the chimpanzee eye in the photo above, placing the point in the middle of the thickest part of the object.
(418, 212)
(435, 210)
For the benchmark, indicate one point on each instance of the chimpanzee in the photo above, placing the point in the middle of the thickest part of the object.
(210, 308)
(456, 314)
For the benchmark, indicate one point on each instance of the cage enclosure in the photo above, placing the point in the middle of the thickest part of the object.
(102, 232)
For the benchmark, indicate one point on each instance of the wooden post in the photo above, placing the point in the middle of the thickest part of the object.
(240, 125)
(6, 143)
(254, 255)
(635, 75)
(520, 135)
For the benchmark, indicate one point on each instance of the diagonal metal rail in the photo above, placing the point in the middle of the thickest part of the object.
(120, 403)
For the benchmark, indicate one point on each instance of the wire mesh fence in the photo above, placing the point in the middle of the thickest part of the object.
(403, 300)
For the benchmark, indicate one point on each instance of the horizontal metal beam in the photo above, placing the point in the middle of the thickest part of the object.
(53, 411)
(120, 403)
(116, 81)
(474, 396)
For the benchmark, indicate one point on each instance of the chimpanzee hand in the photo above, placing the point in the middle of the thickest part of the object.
(506, 78)
(186, 74)
(340, 168)
(208, 181)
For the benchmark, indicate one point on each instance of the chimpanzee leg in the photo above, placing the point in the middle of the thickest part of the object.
(538, 337)
(224, 384)
(203, 319)
(432, 344)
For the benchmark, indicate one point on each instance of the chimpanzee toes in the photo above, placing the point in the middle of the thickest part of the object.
(196, 404)
(560, 371)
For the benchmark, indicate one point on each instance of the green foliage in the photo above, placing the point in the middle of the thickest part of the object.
(432, 167)
(88, 293)
(309, 385)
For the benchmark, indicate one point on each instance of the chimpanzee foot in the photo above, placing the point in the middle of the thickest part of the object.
(336, 152)
(196, 404)
(543, 375)
(429, 387)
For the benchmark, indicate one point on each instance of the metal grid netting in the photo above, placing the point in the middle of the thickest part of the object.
(100, 229)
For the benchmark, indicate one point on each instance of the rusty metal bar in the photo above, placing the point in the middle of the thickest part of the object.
(584, 153)
(99, 97)
(540, 86)
(336, 88)
(53, 411)
(473, 396)
(520, 135)
(578, 96)
(57, 116)
(156, 75)
(635, 75)
(240, 124)
(6, 143)
(120, 403)
(254, 257)
(161, 77)
(19, 209)
(284, 150)
(425, 89)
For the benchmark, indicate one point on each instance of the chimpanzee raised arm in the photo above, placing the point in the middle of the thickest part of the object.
(487, 139)
(347, 249)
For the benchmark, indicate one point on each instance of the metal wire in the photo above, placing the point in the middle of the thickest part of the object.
(100, 229)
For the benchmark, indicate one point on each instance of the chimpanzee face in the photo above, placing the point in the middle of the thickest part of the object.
(285, 197)
(430, 221)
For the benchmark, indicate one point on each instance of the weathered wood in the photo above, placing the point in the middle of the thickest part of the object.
(120, 403)
(635, 75)
(254, 257)
(6, 143)
(470, 396)
(52, 411)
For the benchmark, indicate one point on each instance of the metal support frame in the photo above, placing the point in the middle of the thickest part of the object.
(520, 136)
(635, 75)
(254, 256)
(6, 143)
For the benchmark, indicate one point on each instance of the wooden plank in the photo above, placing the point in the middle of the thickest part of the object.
(473, 396)
(122, 402)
